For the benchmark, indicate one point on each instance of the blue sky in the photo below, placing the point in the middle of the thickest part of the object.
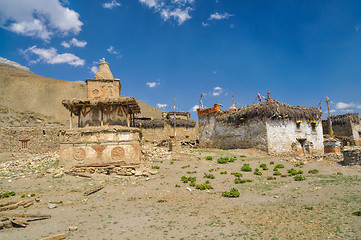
(302, 51)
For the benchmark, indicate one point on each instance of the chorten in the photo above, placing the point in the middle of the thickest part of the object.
(105, 120)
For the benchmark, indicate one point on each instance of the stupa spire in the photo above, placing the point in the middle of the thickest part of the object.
(104, 71)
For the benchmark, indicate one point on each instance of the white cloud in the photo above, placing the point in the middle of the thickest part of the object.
(112, 4)
(94, 69)
(194, 108)
(217, 91)
(161, 105)
(205, 24)
(74, 42)
(342, 105)
(112, 50)
(332, 111)
(51, 56)
(152, 84)
(217, 16)
(171, 9)
(38, 18)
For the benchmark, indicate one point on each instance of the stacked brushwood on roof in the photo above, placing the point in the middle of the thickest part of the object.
(160, 123)
(345, 118)
(270, 110)
(171, 114)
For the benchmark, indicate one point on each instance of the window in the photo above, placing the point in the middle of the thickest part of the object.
(186, 129)
(24, 144)
(313, 125)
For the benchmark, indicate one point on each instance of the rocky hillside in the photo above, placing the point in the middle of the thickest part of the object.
(23, 91)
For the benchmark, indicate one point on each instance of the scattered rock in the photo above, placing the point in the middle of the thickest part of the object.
(52, 205)
(73, 228)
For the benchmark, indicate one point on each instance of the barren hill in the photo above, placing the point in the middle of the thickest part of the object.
(24, 91)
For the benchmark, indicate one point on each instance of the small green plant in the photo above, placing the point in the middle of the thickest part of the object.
(210, 176)
(238, 180)
(224, 172)
(233, 193)
(237, 174)
(177, 185)
(277, 173)
(309, 207)
(299, 178)
(32, 195)
(246, 168)
(272, 162)
(242, 156)
(257, 172)
(186, 166)
(203, 186)
(211, 170)
(339, 173)
(155, 167)
(357, 213)
(188, 179)
(7, 194)
(191, 172)
(313, 171)
(299, 164)
(263, 166)
(209, 158)
(22, 196)
(278, 166)
(232, 159)
(271, 178)
(293, 172)
(223, 160)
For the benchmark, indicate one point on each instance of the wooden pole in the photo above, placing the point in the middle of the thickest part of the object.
(175, 124)
(329, 117)
(70, 120)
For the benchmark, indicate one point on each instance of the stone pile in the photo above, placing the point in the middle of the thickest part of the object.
(155, 154)
(36, 163)
(352, 155)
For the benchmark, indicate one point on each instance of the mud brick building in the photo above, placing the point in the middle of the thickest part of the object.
(276, 128)
(346, 127)
(105, 131)
(162, 130)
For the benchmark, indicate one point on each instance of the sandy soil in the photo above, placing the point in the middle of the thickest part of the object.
(161, 206)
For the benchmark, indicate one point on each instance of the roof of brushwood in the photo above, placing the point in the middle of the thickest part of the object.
(75, 104)
(270, 110)
(159, 123)
(345, 118)
(178, 113)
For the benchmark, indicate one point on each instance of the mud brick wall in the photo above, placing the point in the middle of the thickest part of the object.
(352, 155)
(213, 134)
(42, 139)
(163, 134)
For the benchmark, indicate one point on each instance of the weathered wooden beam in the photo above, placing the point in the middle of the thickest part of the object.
(55, 237)
(94, 190)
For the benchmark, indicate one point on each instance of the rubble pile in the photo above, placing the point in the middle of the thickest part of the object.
(155, 154)
(352, 155)
(37, 163)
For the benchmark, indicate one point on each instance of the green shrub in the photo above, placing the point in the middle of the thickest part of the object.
(7, 194)
(203, 186)
(155, 167)
(278, 166)
(271, 178)
(357, 213)
(238, 180)
(185, 166)
(232, 159)
(277, 173)
(257, 172)
(242, 156)
(209, 158)
(224, 172)
(339, 173)
(233, 193)
(313, 171)
(188, 179)
(191, 172)
(263, 166)
(210, 176)
(299, 178)
(292, 172)
(246, 168)
(272, 162)
(211, 170)
(177, 185)
(223, 160)
(237, 174)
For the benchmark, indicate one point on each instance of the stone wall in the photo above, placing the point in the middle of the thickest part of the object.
(98, 88)
(163, 134)
(41, 139)
(285, 136)
(100, 145)
(213, 134)
(352, 155)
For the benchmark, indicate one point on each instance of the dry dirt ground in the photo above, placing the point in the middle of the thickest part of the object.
(161, 206)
